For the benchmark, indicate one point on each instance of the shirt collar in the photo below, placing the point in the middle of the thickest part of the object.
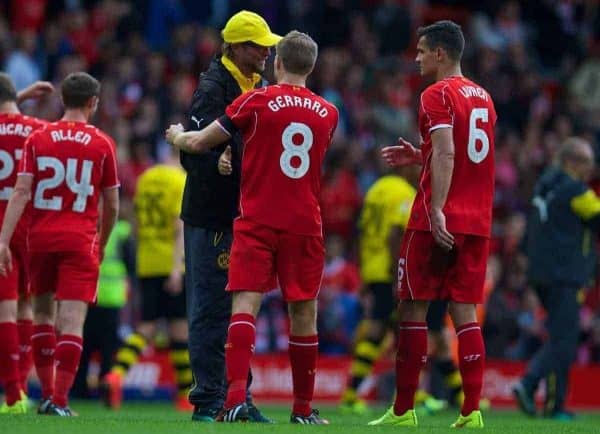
(245, 83)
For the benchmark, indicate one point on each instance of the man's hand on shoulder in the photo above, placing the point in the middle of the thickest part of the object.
(224, 164)
(403, 154)
(172, 132)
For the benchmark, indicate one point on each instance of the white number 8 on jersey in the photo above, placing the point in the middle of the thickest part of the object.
(292, 150)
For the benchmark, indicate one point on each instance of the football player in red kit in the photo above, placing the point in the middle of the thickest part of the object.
(15, 307)
(445, 249)
(66, 168)
(286, 130)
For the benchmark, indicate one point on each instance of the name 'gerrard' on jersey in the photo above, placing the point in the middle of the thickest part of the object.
(71, 162)
(286, 131)
(464, 106)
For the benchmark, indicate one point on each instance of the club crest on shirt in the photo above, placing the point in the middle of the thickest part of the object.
(223, 260)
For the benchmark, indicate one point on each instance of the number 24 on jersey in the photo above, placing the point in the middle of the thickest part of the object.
(82, 188)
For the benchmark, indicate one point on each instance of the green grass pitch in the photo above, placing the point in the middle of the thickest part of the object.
(146, 418)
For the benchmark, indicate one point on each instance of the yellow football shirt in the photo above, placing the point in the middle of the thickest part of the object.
(157, 203)
(387, 204)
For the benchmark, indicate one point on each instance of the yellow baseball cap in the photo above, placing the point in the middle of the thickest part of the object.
(246, 26)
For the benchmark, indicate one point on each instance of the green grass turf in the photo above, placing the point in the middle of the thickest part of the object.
(161, 418)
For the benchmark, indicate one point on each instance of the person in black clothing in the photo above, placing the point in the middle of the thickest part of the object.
(560, 244)
(210, 203)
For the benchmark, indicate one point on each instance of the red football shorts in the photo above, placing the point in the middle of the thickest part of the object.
(260, 254)
(70, 275)
(16, 283)
(428, 272)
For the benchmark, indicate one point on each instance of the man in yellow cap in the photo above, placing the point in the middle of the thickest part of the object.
(210, 203)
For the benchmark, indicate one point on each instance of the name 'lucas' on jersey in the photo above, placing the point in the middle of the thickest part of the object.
(14, 130)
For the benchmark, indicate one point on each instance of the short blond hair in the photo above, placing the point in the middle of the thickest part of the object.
(298, 52)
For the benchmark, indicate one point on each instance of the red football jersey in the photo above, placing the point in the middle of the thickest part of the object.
(71, 162)
(14, 130)
(468, 109)
(286, 131)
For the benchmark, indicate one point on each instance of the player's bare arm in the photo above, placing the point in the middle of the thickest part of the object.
(442, 166)
(110, 212)
(35, 91)
(403, 154)
(196, 142)
(16, 205)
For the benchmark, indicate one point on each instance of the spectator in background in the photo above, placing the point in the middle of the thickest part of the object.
(584, 85)
(28, 14)
(22, 65)
(564, 220)
(138, 162)
(340, 195)
(272, 325)
(531, 328)
(339, 308)
(500, 324)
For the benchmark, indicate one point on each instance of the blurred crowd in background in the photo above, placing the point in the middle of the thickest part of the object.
(540, 61)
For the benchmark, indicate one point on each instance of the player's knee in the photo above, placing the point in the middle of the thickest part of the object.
(303, 317)
(71, 316)
(8, 311)
(44, 313)
(462, 313)
(413, 310)
(178, 330)
(303, 325)
(246, 302)
(70, 323)
(24, 309)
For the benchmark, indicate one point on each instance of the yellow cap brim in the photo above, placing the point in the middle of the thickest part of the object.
(267, 40)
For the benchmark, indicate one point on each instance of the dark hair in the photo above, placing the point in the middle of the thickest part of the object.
(77, 88)
(444, 34)
(298, 52)
(226, 49)
(8, 93)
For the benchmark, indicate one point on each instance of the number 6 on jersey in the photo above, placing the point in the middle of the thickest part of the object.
(478, 135)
